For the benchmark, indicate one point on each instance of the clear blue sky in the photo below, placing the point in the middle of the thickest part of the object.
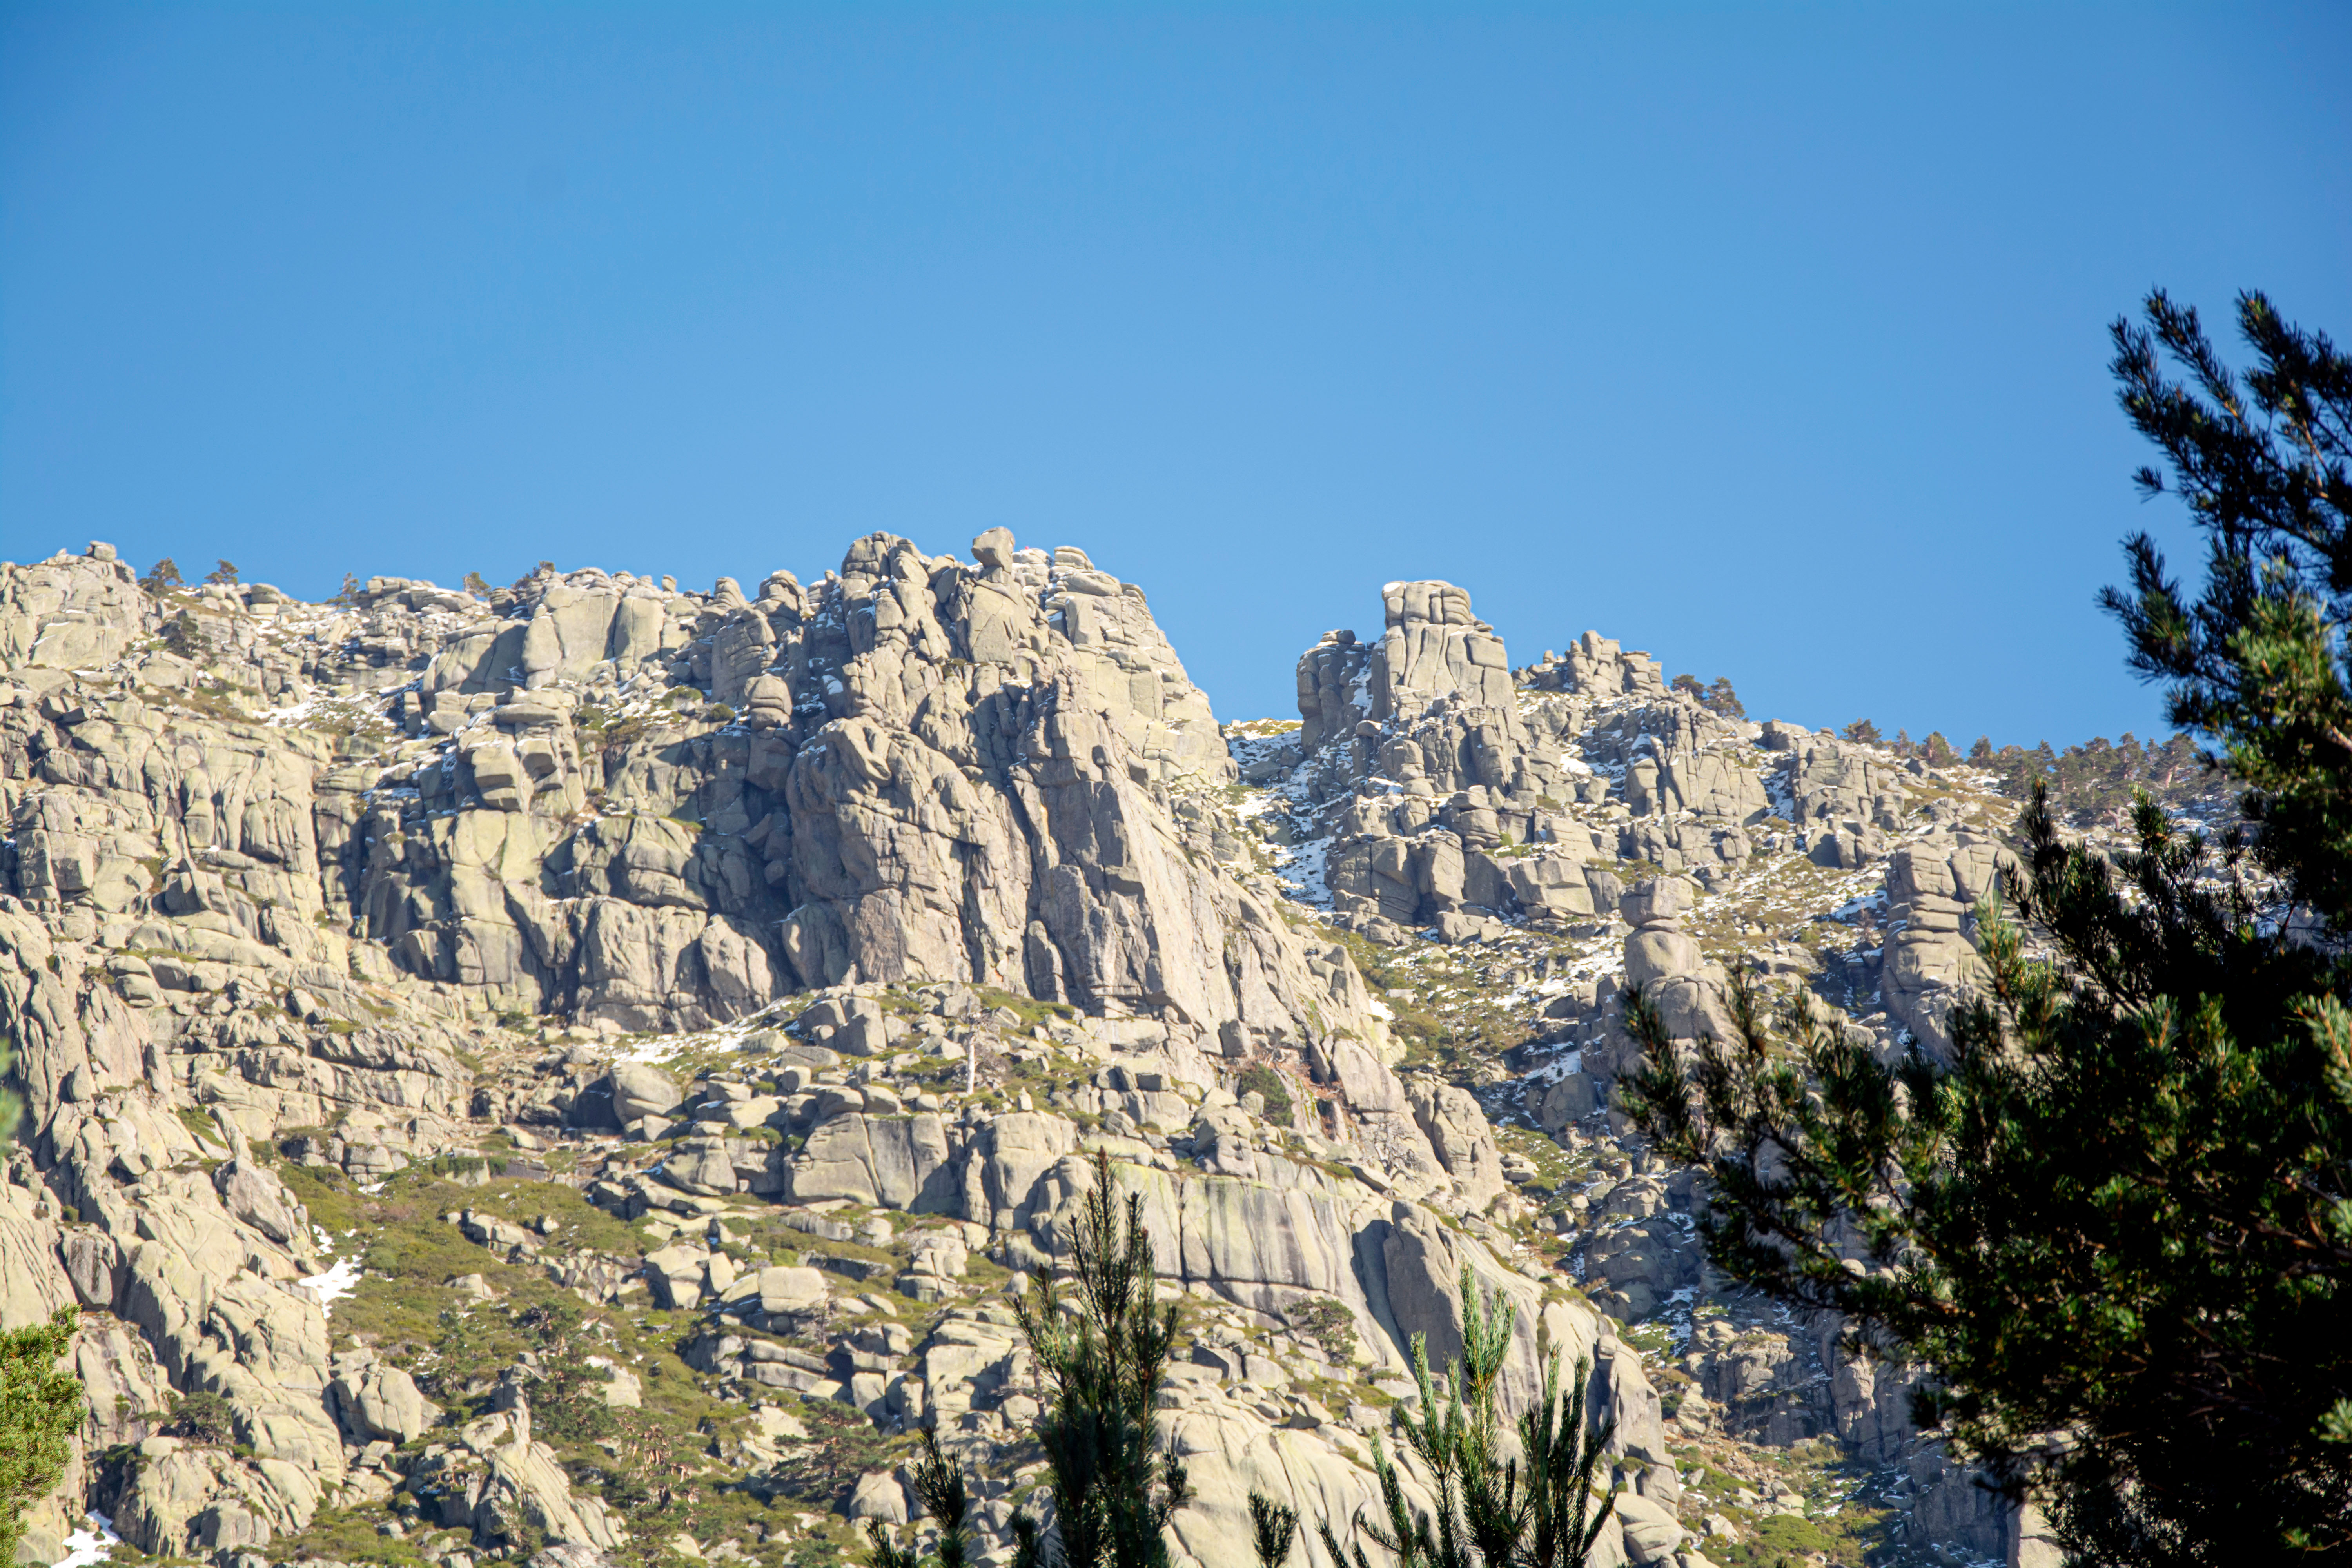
(1770, 338)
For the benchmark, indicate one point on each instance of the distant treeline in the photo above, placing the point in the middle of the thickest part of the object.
(2089, 782)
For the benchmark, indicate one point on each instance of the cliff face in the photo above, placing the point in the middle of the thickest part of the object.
(660, 810)
(777, 945)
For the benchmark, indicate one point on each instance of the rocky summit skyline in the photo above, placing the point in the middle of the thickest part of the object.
(573, 1073)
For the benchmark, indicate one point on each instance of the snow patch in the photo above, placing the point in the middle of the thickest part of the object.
(340, 1281)
(85, 1548)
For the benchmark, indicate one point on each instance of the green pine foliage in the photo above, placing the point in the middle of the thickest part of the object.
(162, 578)
(1103, 1353)
(940, 1486)
(40, 1409)
(1718, 695)
(1491, 1512)
(204, 1418)
(1115, 1488)
(2257, 662)
(2095, 783)
(2115, 1214)
(1273, 1528)
(2113, 1227)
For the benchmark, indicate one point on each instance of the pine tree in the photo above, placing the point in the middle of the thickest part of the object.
(1103, 1361)
(162, 578)
(40, 1409)
(940, 1486)
(1115, 1488)
(1272, 1527)
(1488, 1512)
(2258, 662)
(2115, 1227)
(224, 573)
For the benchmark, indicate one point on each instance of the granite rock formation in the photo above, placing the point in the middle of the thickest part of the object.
(757, 972)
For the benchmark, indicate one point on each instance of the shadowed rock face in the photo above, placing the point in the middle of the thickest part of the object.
(661, 810)
(362, 885)
(271, 865)
(1444, 779)
(946, 771)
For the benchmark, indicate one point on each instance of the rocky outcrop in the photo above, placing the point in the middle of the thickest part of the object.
(1596, 666)
(1843, 797)
(506, 1489)
(69, 612)
(821, 934)
(1466, 794)
(1932, 887)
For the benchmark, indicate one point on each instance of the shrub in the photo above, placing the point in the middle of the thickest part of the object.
(1263, 1079)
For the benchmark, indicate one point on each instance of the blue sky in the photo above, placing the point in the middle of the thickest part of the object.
(1767, 338)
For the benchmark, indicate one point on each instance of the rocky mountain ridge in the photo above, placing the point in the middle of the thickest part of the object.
(415, 993)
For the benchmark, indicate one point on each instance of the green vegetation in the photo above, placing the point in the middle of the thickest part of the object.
(2096, 781)
(1028, 1010)
(940, 1486)
(2123, 1209)
(1261, 1079)
(1102, 1357)
(650, 1463)
(201, 1418)
(1273, 1528)
(12, 1104)
(1115, 1486)
(1328, 1324)
(843, 1445)
(1488, 1513)
(40, 1409)
(1718, 696)
(2258, 663)
(1786, 1537)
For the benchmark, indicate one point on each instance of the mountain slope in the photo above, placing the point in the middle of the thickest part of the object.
(565, 1073)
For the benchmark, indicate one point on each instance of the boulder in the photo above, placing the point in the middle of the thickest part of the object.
(785, 1290)
(878, 1494)
(994, 548)
(1653, 1533)
(1656, 902)
(678, 1274)
(640, 1090)
(373, 1402)
(1653, 953)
